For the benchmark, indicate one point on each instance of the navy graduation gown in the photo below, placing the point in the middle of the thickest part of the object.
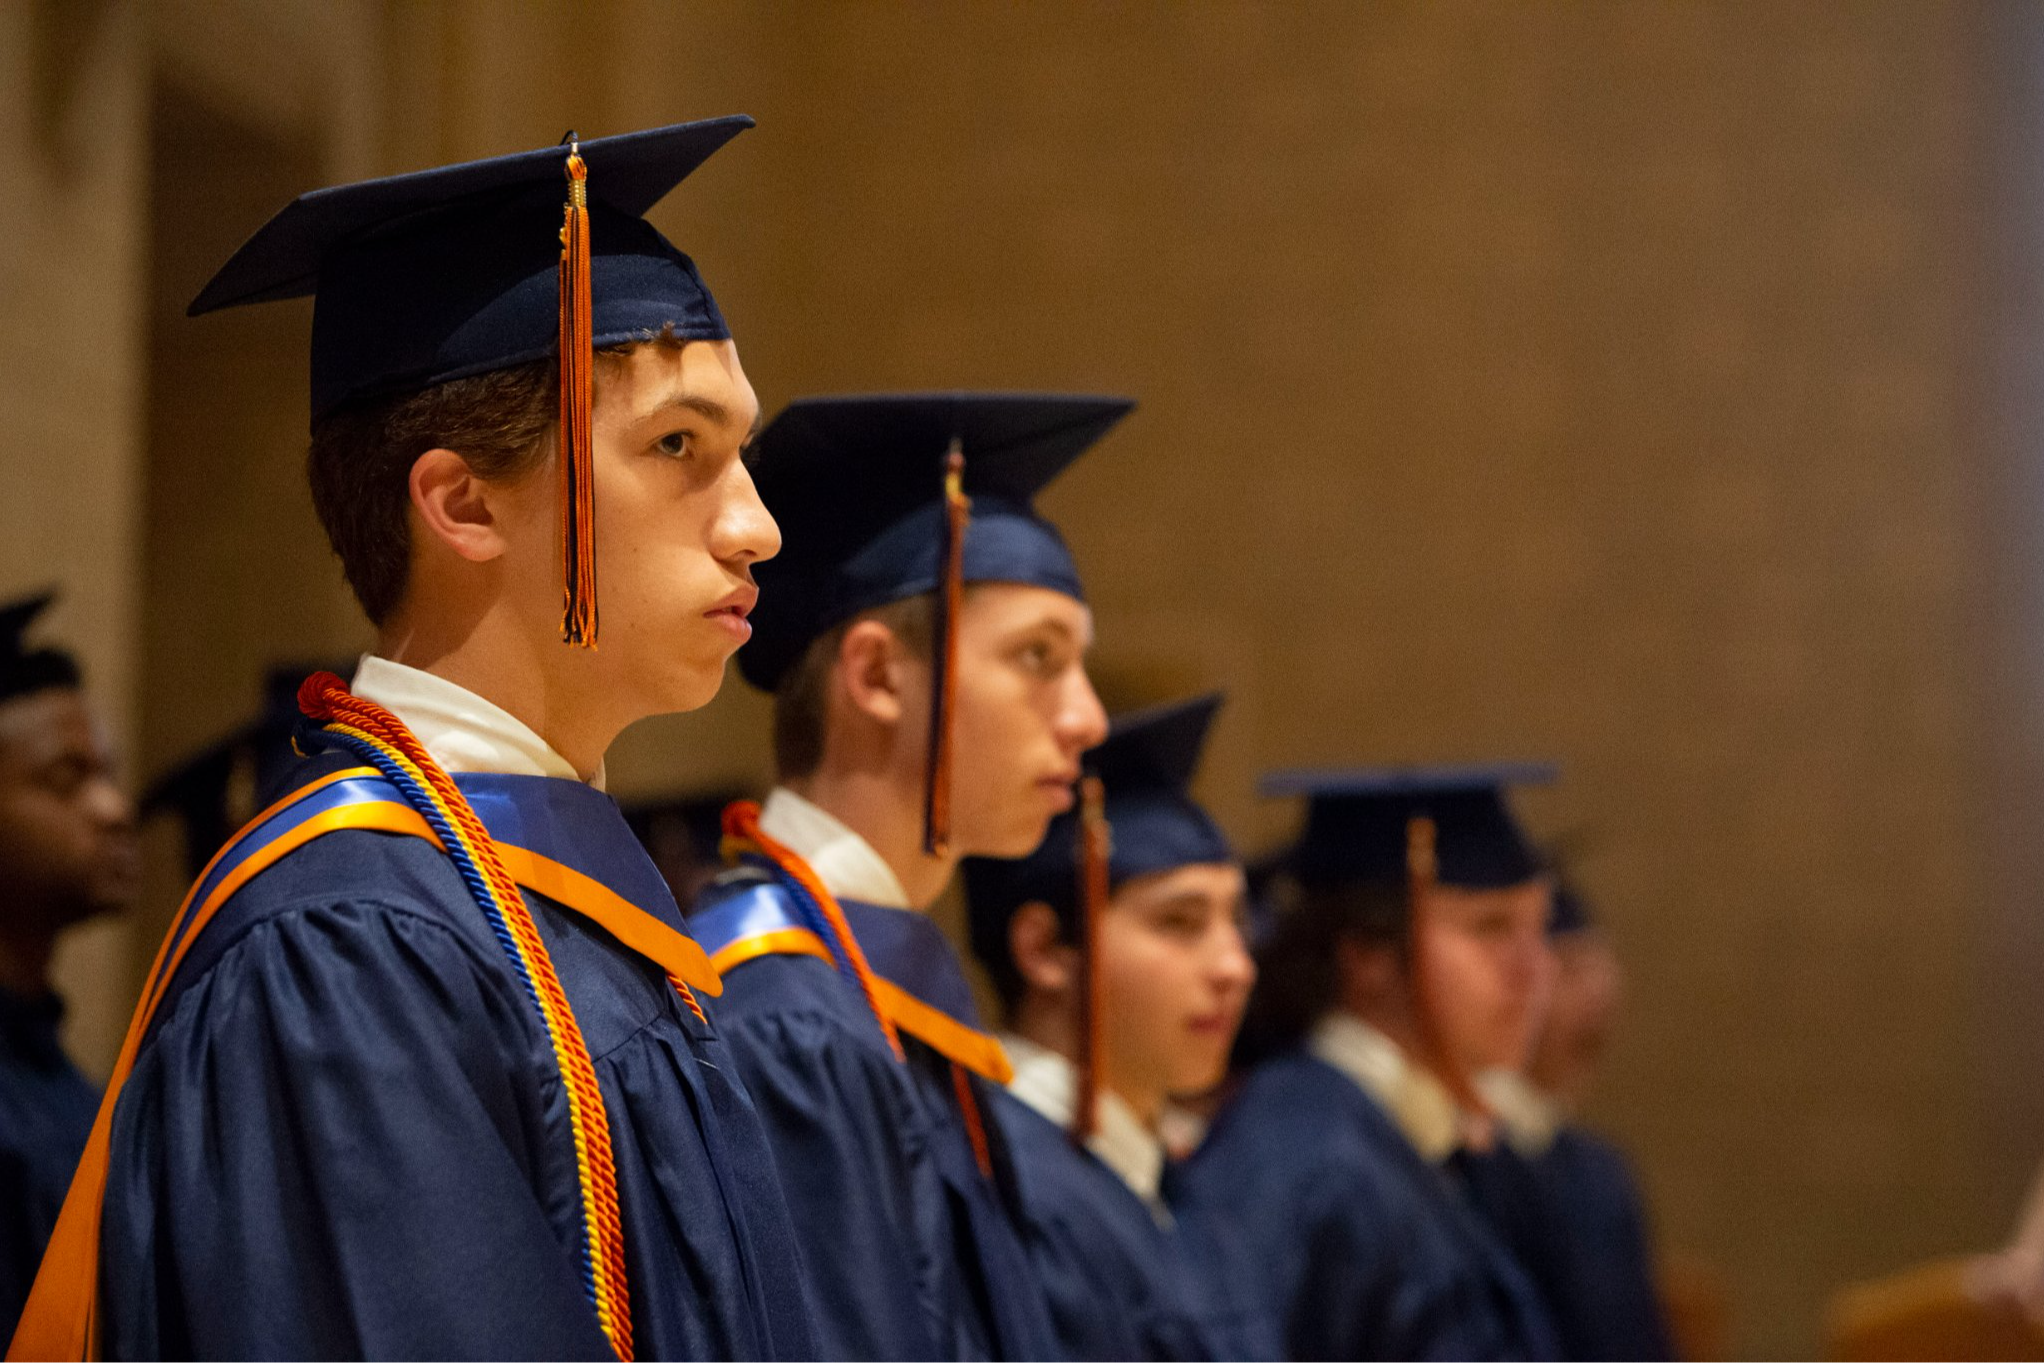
(1119, 1285)
(1573, 1217)
(46, 1112)
(911, 1250)
(346, 1133)
(1366, 1249)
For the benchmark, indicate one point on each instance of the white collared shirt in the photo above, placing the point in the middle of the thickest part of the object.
(1049, 1083)
(1530, 1117)
(845, 862)
(1418, 1103)
(461, 730)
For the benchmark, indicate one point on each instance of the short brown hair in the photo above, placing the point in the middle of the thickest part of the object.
(360, 460)
(800, 702)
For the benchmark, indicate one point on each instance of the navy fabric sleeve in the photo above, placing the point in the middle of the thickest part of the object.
(853, 1157)
(338, 1128)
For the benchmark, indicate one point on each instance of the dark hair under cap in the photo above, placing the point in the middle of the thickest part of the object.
(24, 671)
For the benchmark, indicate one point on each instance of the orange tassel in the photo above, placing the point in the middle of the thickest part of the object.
(944, 686)
(975, 1123)
(578, 362)
(1422, 868)
(1095, 846)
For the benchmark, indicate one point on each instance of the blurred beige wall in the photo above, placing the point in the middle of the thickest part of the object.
(1646, 386)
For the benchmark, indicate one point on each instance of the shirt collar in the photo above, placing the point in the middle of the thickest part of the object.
(1049, 1083)
(845, 862)
(461, 730)
(1418, 1103)
(1530, 1117)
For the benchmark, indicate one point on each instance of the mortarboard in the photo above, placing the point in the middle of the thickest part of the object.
(1136, 817)
(1358, 823)
(872, 494)
(23, 669)
(441, 274)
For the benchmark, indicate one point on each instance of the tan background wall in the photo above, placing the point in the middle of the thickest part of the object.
(1648, 387)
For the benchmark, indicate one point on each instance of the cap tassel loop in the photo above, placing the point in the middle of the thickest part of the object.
(1096, 845)
(943, 689)
(577, 456)
(1422, 867)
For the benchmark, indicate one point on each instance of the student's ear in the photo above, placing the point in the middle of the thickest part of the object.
(1045, 961)
(454, 505)
(870, 665)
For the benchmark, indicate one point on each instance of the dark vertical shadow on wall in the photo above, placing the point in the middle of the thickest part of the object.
(2010, 415)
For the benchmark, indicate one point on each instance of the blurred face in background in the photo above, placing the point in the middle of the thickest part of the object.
(1175, 974)
(1485, 970)
(68, 846)
(1024, 712)
(1589, 985)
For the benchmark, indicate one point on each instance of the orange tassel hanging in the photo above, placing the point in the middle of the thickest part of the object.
(943, 686)
(1095, 846)
(578, 361)
(1422, 868)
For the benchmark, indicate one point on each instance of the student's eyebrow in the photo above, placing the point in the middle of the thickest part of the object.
(708, 408)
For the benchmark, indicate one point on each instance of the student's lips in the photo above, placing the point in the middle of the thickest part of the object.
(732, 610)
(1211, 1024)
(1058, 790)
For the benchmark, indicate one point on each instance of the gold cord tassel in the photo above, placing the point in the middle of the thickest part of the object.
(1096, 845)
(944, 685)
(577, 455)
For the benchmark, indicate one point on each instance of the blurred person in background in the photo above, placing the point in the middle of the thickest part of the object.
(1110, 1009)
(68, 852)
(1562, 1197)
(924, 638)
(1411, 956)
(684, 835)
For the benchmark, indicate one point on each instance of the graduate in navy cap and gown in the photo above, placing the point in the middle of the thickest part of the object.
(1412, 956)
(1117, 949)
(924, 639)
(1562, 1197)
(68, 853)
(426, 1067)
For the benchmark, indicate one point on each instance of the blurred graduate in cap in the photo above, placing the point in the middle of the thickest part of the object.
(214, 791)
(424, 1068)
(67, 853)
(1562, 1197)
(1117, 949)
(924, 640)
(1411, 957)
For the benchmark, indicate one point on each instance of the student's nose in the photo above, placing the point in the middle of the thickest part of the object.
(1082, 719)
(745, 531)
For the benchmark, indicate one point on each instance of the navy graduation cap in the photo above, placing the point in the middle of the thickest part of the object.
(23, 669)
(1145, 768)
(447, 273)
(1358, 824)
(881, 497)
